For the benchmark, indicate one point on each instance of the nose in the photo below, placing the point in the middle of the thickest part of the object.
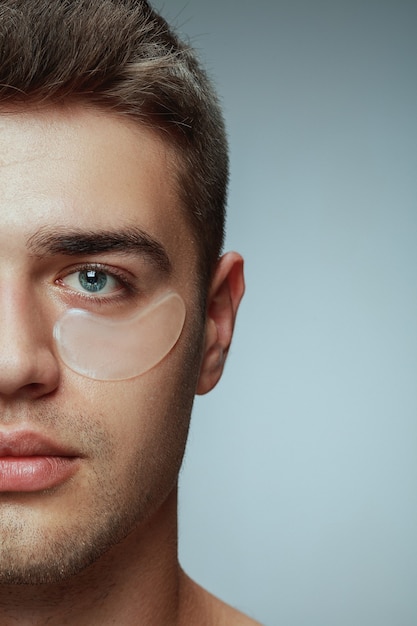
(28, 367)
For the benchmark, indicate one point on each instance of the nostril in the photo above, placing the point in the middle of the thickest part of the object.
(29, 376)
(34, 390)
(34, 387)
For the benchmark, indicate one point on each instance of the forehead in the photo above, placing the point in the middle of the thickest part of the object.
(79, 167)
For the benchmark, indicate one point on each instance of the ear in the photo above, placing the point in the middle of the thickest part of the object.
(225, 293)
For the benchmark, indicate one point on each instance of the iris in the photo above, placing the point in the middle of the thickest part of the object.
(92, 280)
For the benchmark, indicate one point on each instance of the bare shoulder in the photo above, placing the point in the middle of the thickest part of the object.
(198, 606)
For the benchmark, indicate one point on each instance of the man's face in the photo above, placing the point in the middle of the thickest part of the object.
(114, 448)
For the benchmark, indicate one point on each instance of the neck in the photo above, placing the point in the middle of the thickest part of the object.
(137, 582)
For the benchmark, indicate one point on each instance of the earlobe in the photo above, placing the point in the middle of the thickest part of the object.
(226, 291)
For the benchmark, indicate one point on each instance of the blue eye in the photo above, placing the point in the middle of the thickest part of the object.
(92, 280)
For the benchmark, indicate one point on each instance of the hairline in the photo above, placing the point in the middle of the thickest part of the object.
(169, 136)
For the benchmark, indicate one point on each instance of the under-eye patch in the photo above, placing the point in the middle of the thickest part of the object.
(104, 348)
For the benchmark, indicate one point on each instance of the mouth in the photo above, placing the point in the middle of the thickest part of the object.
(30, 462)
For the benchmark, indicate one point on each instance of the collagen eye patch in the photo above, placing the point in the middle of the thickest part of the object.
(105, 348)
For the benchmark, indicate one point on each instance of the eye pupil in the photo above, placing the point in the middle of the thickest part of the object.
(92, 280)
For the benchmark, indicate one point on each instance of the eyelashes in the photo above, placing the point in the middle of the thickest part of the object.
(98, 283)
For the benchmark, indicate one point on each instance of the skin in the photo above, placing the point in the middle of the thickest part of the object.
(101, 546)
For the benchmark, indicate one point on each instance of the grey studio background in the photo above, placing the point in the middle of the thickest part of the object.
(298, 493)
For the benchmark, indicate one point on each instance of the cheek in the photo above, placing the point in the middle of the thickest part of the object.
(149, 442)
(146, 418)
(139, 404)
(109, 349)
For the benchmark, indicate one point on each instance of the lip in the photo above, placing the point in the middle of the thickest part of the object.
(32, 462)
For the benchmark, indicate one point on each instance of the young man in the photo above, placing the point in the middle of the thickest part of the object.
(116, 308)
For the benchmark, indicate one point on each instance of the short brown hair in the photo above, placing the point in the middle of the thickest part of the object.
(122, 56)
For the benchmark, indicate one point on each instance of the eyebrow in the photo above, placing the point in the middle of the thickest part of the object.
(78, 242)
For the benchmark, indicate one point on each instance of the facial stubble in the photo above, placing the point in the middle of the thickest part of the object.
(34, 550)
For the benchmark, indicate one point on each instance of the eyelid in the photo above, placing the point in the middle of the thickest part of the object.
(124, 278)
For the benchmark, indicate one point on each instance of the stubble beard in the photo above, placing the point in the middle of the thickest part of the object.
(36, 553)
(36, 550)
